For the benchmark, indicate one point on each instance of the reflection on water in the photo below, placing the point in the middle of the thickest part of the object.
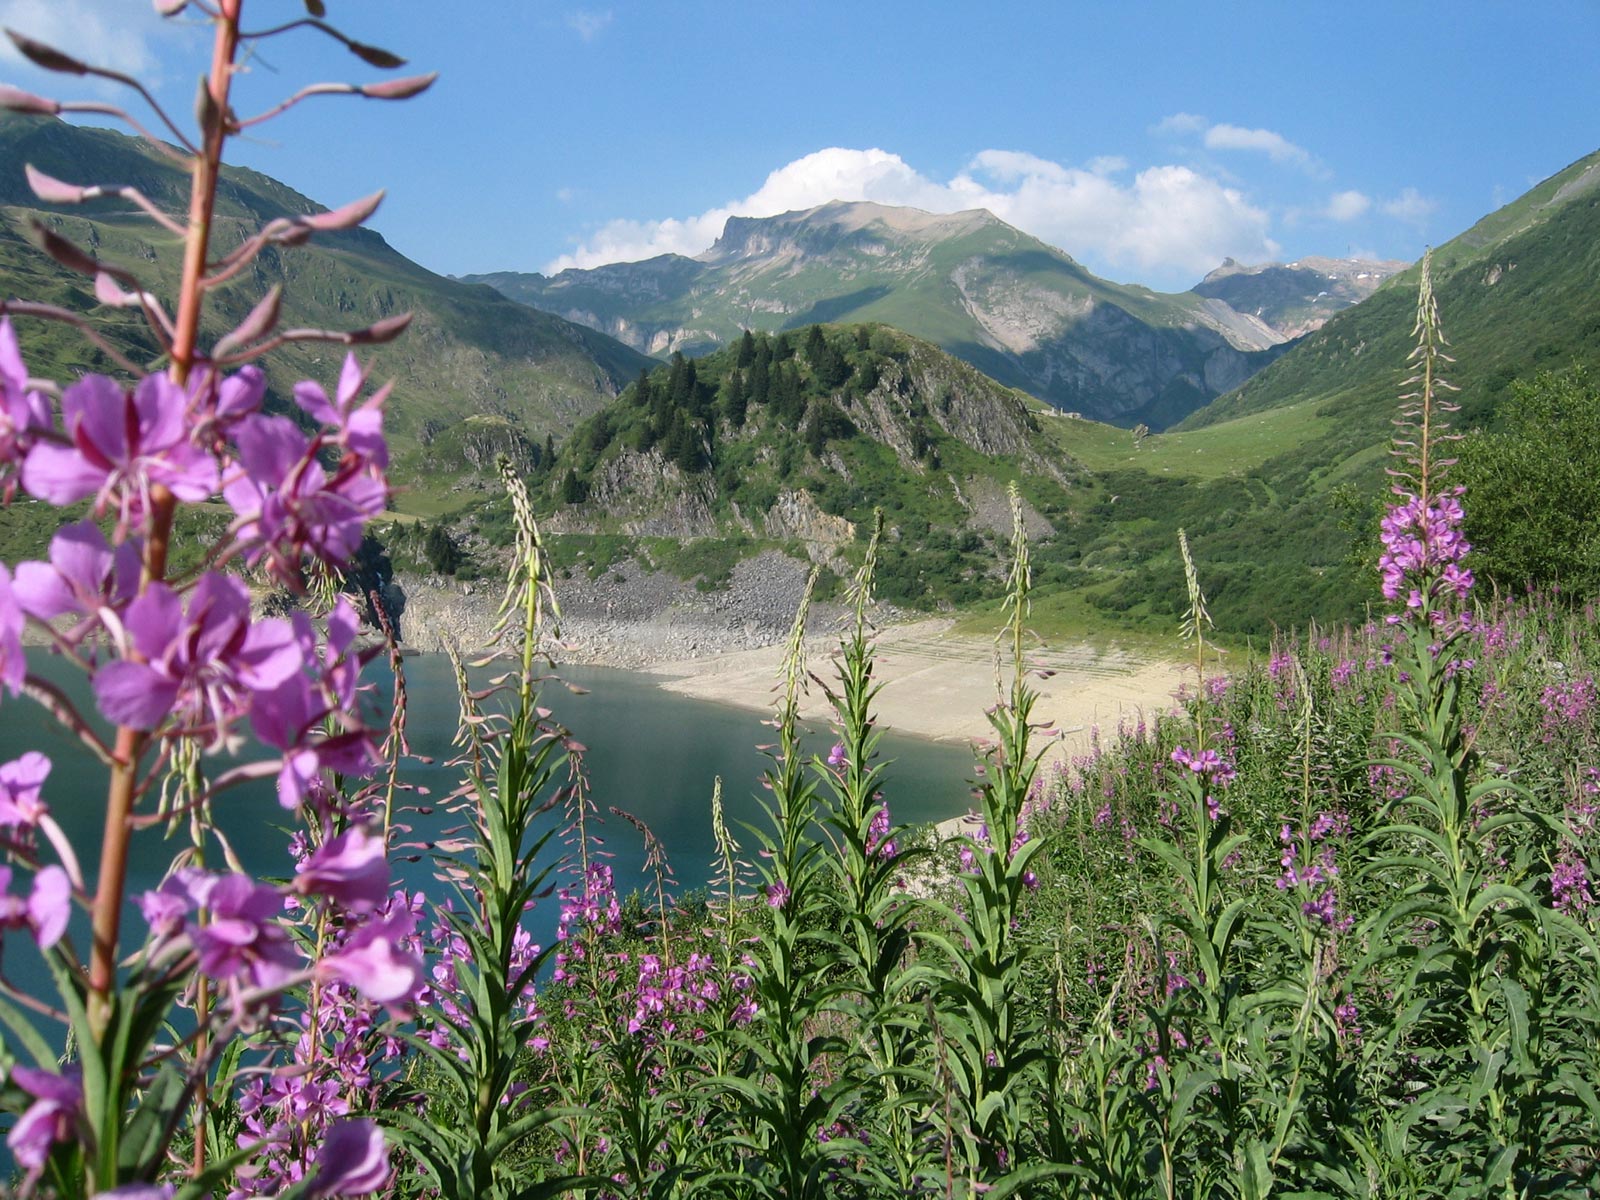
(649, 751)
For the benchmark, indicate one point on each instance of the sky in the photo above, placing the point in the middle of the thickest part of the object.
(1149, 140)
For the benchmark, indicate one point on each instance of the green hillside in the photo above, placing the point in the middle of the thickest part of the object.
(1516, 293)
(475, 374)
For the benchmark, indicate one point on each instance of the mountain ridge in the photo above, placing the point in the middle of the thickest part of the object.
(1019, 309)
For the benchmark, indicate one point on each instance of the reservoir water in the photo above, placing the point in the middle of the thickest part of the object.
(649, 751)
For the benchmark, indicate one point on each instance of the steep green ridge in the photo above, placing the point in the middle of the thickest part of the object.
(475, 374)
(798, 437)
(1021, 311)
(1515, 292)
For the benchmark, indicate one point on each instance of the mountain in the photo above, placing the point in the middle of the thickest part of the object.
(474, 375)
(1515, 294)
(795, 438)
(1296, 298)
(1021, 311)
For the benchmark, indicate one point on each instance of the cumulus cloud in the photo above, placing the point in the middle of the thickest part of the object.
(1347, 206)
(1222, 136)
(107, 33)
(1410, 205)
(1167, 221)
(589, 24)
(1274, 145)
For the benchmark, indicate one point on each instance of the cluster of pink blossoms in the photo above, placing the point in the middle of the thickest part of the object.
(188, 662)
(1423, 547)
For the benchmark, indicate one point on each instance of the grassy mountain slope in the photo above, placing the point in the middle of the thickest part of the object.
(1023, 312)
(474, 374)
(1516, 293)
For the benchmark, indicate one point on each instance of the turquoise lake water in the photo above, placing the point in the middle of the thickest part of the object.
(650, 752)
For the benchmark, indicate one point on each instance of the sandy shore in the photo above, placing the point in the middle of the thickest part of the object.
(938, 685)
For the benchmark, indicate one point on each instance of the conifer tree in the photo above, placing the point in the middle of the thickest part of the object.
(747, 350)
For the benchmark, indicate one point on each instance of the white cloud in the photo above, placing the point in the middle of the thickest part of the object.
(589, 24)
(1181, 123)
(1168, 221)
(1347, 206)
(103, 33)
(1410, 205)
(1223, 136)
(1274, 145)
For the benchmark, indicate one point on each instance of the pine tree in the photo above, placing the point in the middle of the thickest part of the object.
(734, 399)
(816, 345)
(747, 350)
(573, 490)
(760, 390)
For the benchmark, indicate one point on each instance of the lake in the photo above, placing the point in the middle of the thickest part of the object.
(651, 752)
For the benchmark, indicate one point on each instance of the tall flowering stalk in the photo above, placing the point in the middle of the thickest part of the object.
(879, 999)
(180, 668)
(992, 1045)
(1471, 938)
(785, 1099)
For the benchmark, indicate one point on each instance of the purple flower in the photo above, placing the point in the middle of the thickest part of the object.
(13, 666)
(201, 666)
(51, 1118)
(777, 895)
(24, 413)
(836, 755)
(122, 445)
(20, 782)
(351, 869)
(83, 576)
(244, 939)
(289, 506)
(358, 427)
(46, 909)
(353, 1161)
(376, 962)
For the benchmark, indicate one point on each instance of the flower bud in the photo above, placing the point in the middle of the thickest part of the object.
(18, 100)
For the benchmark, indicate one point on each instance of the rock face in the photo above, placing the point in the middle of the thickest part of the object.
(796, 515)
(1021, 311)
(1296, 298)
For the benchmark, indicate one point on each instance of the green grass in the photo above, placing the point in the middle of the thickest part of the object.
(1232, 448)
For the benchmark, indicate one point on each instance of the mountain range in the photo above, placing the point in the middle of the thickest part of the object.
(1021, 311)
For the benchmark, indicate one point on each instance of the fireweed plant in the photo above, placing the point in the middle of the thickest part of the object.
(1327, 929)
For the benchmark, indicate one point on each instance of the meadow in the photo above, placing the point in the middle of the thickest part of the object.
(1328, 929)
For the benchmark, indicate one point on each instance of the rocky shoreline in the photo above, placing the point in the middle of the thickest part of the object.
(627, 617)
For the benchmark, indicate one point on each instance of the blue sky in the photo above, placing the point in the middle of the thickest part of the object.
(1148, 140)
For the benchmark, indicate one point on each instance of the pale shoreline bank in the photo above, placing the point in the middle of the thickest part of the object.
(941, 686)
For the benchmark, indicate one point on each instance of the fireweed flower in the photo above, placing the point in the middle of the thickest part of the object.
(353, 1161)
(21, 780)
(120, 446)
(24, 413)
(13, 666)
(376, 959)
(201, 664)
(351, 869)
(46, 909)
(51, 1118)
(359, 427)
(244, 939)
(1423, 549)
(83, 576)
(289, 506)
